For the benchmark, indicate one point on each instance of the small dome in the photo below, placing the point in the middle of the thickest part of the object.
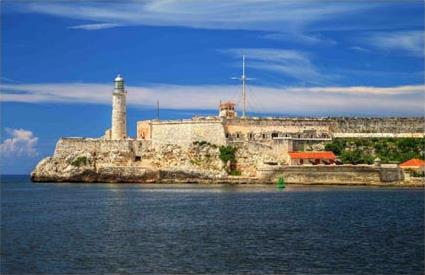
(119, 78)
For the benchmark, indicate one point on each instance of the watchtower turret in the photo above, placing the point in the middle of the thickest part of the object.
(227, 110)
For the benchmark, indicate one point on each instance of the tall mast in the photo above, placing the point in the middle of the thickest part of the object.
(243, 78)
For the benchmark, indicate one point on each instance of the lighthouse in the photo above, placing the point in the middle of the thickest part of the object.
(119, 112)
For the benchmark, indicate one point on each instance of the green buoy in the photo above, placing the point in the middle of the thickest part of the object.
(280, 183)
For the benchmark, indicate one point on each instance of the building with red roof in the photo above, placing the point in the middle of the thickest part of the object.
(300, 158)
(414, 166)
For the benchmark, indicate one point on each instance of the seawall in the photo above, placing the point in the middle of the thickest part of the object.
(334, 174)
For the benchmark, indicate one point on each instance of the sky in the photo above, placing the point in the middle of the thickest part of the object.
(306, 58)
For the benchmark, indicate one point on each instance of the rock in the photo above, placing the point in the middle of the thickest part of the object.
(99, 160)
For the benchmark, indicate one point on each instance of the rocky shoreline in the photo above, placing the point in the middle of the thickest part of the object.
(132, 161)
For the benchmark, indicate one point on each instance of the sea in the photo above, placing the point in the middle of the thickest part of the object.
(69, 228)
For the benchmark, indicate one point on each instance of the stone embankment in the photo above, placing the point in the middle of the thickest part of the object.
(335, 174)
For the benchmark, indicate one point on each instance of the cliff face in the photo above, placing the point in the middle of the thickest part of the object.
(97, 160)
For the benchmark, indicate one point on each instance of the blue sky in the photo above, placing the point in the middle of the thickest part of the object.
(308, 58)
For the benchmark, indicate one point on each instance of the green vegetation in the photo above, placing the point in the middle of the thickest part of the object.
(80, 161)
(227, 153)
(203, 142)
(235, 173)
(365, 150)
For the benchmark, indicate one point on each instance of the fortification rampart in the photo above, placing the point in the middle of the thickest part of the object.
(182, 132)
(322, 129)
(343, 175)
(394, 125)
(262, 129)
(378, 135)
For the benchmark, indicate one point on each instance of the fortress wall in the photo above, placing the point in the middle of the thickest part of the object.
(279, 125)
(379, 135)
(377, 125)
(319, 127)
(101, 151)
(68, 146)
(252, 155)
(335, 174)
(185, 133)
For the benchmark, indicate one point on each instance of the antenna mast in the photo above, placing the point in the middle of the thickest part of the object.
(243, 78)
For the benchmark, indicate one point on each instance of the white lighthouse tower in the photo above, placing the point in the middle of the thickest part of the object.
(119, 112)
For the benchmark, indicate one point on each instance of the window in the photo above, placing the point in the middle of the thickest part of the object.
(137, 158)
(251, 136)
(238, 135)
(227, 135)
(264, 135)
(274, 135)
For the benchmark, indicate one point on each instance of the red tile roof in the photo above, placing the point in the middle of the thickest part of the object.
(312, 155)
(416, 163)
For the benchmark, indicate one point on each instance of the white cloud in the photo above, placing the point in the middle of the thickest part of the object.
(20, 143)
(93, 27)
(304, 38)
(400, 100)
(410, 42)
(360, 49)
(262, 15)
(294, 64)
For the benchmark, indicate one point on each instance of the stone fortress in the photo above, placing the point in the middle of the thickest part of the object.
(188, 150)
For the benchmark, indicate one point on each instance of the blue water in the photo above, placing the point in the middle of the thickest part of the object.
(106, 228)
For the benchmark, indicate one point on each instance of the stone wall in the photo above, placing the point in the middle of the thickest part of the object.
(378, 135)
(334, 174)
(392, 125)
(318, 130)
(250, 156)
(183, 132)
(322, 128)
(267, 129)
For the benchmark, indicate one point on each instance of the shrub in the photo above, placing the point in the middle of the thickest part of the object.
(80, 161)
(235, 173)
(227, 153)
(203, 142)
(364, 150)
